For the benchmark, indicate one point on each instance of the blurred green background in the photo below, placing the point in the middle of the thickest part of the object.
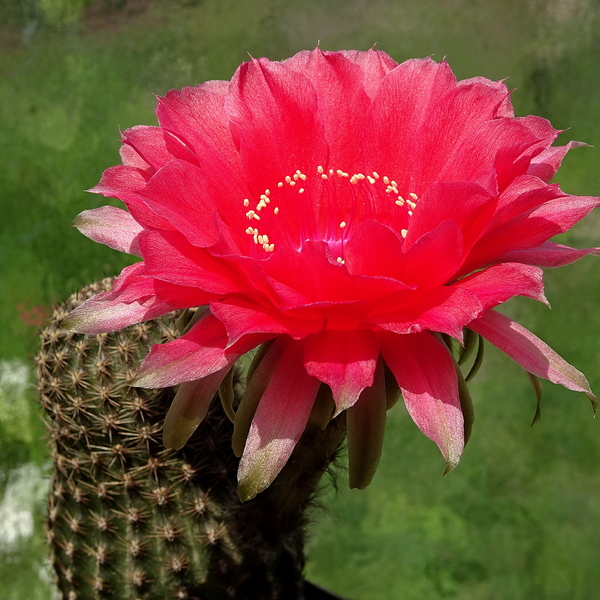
(520, 517)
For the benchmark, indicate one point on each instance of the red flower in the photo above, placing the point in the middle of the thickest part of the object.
(350, 210)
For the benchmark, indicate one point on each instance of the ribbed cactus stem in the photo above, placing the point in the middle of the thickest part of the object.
(130, 520)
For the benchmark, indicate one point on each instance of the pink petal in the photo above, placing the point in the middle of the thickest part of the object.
(131, 300)
(531, 228)
(170, 257)
(498, 284)
(189, 408)
(429, 262)
(467, 204)
(529, 351)
(342, 101)
(195, 355)
(177, 194)
(126, 183)
(150, 143)
(344, 360)
(548, 254)
(242, 318)
(546, 163)
(272, 111)
(111, 226)
(425, 372)
(366, 426)
(279, 421)
(446, 309)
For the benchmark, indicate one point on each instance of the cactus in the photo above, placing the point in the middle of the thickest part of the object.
(130, 520)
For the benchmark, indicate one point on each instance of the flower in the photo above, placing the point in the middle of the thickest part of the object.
(347, 214)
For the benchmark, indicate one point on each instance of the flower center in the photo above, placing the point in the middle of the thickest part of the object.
(325, 205)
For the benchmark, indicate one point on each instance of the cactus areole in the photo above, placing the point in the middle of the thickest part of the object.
(350, 216)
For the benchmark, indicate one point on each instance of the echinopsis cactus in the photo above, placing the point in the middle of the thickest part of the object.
(130, 520)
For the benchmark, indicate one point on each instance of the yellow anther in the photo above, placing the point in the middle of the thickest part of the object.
(403, 232)
(246, 202)
(411, 204)
(413, 196)
(354, 179)
(370, 179)
(386, 180)
(302, 176)
(320, 170)
(280, 184)
(375, 175)
(341, 173)
(270, 248)
(331, 171)
(276, 211)
(249, 230)
(343, 224)
(301, 191)
(292, 183)
(340, 260)
(400, 202)
(296, 176)
(410, 213)
(323, 176)
(250, 214)
(267, 192)
(288, 179)
(393, 183)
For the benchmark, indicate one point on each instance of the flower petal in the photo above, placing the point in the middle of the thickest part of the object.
(279, 421)
(498, 284)
(111, 226)
(344, 360)
(548, 254)
(132, 300)
(195, 355)
(425, 372)
(530, 352)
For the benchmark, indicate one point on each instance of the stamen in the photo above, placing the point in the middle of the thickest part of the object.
(343, 224)
(403, 232)
(340, 260)
(246, 202)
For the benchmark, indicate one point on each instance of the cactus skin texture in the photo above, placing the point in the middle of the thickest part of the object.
(130, 520)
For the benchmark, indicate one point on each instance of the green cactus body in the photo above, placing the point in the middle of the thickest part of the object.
(130, 520)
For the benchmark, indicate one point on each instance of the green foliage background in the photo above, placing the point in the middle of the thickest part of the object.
(520, 517)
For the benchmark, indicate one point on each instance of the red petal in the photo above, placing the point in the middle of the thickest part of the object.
(425, 372)
(168, 256)
(529, 351)
(445, 309)
(242, 317)
(344, 360)
(279, 421)
(177, 194)
(272, 111)
(111, 226)
(342, 101)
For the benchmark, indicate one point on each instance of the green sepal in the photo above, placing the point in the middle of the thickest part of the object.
(537, 388)
(227, 395)
(478, 360)
(470, 340)
(466, 403)
(323, 408)
(366, 427)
